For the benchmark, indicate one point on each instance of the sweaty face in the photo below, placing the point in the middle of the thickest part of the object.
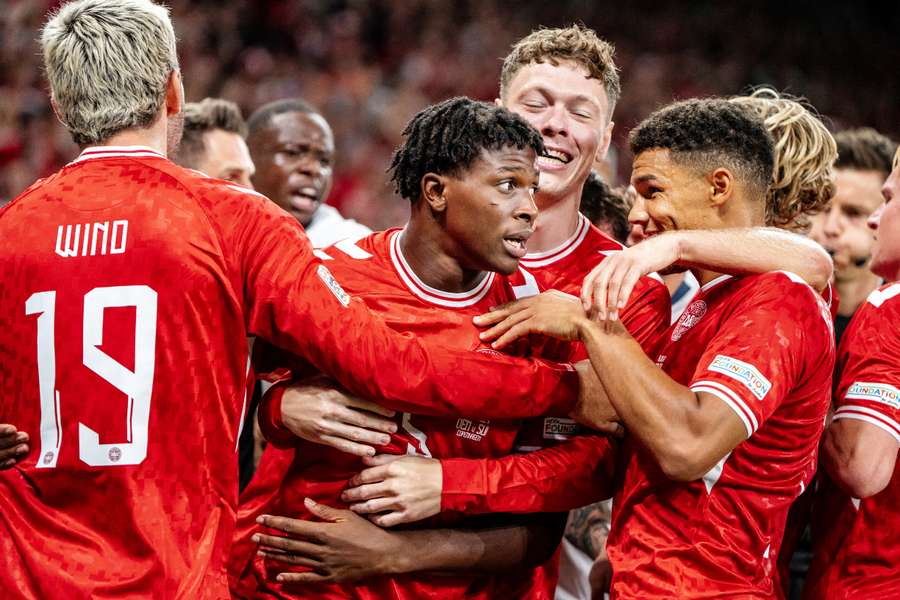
(490, 210)
(294, 157)
(843, 229)
(570, 109)
(226, 157)
(670, 196)
(885, 222)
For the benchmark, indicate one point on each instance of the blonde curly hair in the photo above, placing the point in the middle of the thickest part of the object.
(805, 152)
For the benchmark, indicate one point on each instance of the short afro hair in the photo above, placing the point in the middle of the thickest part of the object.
(262, 116)
(446, 138)
(710, 133)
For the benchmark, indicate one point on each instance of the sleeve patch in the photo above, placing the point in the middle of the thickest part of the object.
(877, 392)
(332, 284)
(743, 372)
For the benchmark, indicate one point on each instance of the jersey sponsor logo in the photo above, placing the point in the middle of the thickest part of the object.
(877, 392)
(661, 360)
(690, 317)
(746, 373)
(332, 284)
(472, 430)
(559, 428)
(91, 239)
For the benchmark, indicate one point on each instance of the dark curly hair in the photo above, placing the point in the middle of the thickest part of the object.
(709, 133)
(604, 206)
(446, 138)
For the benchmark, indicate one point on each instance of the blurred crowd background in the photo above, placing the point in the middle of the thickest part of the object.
(371, 64)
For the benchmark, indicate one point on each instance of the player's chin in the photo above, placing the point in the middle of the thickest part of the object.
(504, 263)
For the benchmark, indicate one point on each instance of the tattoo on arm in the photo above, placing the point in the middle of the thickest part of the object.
(588, 527)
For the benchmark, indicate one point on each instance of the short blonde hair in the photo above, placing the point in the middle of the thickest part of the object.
(805, 152)
(576, 43)
(108, 62)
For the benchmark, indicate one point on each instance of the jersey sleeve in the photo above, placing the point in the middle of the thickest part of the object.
(293, 301)
(570, 475)
(869, 386)
(760, 352)
(647, 313)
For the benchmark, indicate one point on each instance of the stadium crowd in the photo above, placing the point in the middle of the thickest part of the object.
(528, 382)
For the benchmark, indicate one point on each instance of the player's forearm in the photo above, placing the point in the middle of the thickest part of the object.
(575, 473)
(664, 415)
(755, 250)
(488, 549)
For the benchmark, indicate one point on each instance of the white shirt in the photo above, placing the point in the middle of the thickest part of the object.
(328, 226)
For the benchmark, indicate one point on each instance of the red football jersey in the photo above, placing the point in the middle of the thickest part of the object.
(858, 555)
(130, 286)
(532, 483)
(375, 270)
(763, 345)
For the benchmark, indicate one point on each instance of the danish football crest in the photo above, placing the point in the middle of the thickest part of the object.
(690, 317)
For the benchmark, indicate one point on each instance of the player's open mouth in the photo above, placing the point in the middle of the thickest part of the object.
(554, 159)
(304, 199)
(515, 245)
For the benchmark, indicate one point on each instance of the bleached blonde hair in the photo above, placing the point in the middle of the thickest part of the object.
(805, 152)
(108, 62)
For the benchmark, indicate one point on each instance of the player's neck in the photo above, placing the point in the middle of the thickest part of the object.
(556, 223)
(703, 276)
(152, 137)
(426, 255)
(854, 292)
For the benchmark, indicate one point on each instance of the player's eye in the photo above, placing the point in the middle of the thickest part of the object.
(506, 186)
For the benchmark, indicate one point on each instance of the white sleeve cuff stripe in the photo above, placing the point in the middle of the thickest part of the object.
(751, 417)
(724, 398)
(881, 424)
(875, 414)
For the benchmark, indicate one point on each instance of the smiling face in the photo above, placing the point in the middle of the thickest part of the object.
(670, 195)
(571, 111)
(885, 222)
(488, 209)
(294, 156)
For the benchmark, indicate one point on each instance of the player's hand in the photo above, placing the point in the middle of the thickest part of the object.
(600, 576)
(593, 408)
(396, 489)
(551, 313)
(606, 289)
(318, 412)
(13, 445)
(345, 547)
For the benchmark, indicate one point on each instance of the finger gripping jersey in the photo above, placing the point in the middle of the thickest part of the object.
(858, 555)
(763, 346)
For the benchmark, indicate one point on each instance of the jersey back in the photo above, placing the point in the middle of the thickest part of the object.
(124, 354)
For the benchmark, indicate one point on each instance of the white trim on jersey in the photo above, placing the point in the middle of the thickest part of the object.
(542, 259)
(711, 284)
(430, 294)
(873, 417)
(729, 397)
(95, 152)
(879, 297)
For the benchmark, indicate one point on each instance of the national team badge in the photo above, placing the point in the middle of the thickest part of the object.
(690, 317)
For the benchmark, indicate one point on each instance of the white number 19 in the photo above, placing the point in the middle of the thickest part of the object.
(137, 385)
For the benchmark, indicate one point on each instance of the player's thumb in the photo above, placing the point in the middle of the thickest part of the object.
(326, 513)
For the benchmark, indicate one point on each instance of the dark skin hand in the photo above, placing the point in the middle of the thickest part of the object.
(347, 547)
(13, 446)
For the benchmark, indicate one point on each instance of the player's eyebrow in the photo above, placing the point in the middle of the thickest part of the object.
(646, 178)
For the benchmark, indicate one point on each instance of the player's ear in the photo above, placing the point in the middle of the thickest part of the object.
(434, 188)
(174, 94)
(721, 186)
(604, 143)
(498, 102)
